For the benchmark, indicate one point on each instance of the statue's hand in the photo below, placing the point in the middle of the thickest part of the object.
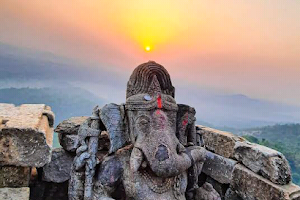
(81, 157)
(88, 134)
(84, 158)
(198, 153)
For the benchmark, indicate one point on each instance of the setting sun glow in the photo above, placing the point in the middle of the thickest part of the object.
(247, 47)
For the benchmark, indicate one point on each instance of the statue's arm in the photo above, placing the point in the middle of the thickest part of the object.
(107, 178)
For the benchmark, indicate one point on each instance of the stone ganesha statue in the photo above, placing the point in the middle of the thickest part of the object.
(154, 149)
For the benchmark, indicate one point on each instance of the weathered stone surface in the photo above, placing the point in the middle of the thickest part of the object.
(251, 186)
(219, 142)
(26, 134)
(218, 167)
(14, 193)
(219, 187)
(58, 170)
(262, 160)
(231, 195)
(12, 176)
(67, 132)
(207, 192)
(70, 126)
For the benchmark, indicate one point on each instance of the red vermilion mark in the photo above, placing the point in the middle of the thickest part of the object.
(159, 104)
(186, 120)
(160, 119)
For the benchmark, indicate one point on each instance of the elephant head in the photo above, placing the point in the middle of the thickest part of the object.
(151, 121)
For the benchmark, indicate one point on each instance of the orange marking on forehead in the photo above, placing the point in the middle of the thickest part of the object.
(159, 103)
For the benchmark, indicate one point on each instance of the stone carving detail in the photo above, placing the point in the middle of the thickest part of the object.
(154, 152)
(147, 148)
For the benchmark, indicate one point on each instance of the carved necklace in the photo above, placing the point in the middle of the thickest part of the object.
(157, 184)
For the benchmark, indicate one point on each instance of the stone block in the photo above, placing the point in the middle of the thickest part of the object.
(219, 142)
(67, 132)
(58, 170)
(251, 186)
(14, 193)
(264, 161)
(218, 167)
(13, 176)
(26, 134)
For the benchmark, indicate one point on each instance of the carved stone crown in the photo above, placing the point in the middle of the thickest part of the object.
(150, 78)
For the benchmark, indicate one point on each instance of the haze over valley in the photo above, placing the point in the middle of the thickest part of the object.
(36, 72)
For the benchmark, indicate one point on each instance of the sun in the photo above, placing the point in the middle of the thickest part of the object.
(147, 48)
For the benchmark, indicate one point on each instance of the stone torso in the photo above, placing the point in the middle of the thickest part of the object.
(144, 185)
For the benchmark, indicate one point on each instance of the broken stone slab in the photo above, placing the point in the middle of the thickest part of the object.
(67, 132)
(58, 170)
(219, 142)
(218, 167)
(264, 161)
(251, 186)
(13, 176)
(70, 126)
(14, 193)
(26, 134)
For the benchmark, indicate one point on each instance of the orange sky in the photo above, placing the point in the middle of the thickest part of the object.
(249, 47)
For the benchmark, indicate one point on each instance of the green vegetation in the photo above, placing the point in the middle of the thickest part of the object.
(283, 138)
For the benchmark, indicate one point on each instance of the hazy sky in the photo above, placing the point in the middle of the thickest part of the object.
(248, 46)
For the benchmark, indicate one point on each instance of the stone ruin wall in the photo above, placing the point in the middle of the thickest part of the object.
(31, 169)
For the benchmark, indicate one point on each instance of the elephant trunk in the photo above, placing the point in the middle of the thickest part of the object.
(165, 163)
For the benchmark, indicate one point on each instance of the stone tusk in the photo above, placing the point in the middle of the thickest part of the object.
(136, 159)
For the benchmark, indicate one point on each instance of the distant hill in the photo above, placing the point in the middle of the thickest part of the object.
(23, 67)
(282, 137)
(236, 110)
(24, 64)
(65, 102)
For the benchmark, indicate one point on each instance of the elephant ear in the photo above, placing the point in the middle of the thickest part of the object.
(186, 130)
(113, 118)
